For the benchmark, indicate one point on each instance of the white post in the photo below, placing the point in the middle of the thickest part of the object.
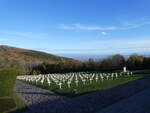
(84, 81)
(90, 80)
(76, 82)
(102, 78)
(68, 84)
(96, 78)
(124, 69)
(112, 75)
(116, 74)
(60, 85)
(107, 77)
(49, 83)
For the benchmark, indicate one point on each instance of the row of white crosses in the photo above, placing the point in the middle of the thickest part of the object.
(70, 78)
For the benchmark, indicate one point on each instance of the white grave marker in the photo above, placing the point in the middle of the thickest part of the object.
(124, 69)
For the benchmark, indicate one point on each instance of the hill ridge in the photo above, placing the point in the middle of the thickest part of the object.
(25, 58)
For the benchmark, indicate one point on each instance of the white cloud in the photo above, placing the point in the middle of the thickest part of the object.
(106, 47)
(83, 27)
(123, 26)
(103, 33)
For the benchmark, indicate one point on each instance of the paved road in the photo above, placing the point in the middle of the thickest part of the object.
(139, 103)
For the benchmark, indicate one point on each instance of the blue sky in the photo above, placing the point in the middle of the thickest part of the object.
(76, 26)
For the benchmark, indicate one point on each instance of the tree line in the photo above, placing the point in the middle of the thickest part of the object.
(113, 63)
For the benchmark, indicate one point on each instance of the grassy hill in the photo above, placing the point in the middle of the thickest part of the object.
(25, 59)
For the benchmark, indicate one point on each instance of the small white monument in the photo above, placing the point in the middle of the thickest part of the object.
(68, 84)
(76, 82)
(60, 84)
(124, 69)
(96, 78)
(102, 78)
(91, 80)
(83, 81)
(107, 77)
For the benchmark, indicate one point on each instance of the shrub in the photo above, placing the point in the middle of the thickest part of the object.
(7, 81)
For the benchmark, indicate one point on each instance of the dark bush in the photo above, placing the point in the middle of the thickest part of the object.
(7, 81)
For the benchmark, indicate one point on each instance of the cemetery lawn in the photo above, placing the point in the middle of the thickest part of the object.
(87, 87)
(9, 101)
(145, 72)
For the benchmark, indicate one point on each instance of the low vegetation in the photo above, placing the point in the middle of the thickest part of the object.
(9, 101)
(7, 105)
(7, 82)
(110, 64)
(83, 89)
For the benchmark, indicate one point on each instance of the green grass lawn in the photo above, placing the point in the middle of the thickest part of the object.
(95, 86)
(145, 72)
(87, 87)
(8, 98)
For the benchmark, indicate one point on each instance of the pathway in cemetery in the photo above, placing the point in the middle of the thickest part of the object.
(42, 101)
(139, 103)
